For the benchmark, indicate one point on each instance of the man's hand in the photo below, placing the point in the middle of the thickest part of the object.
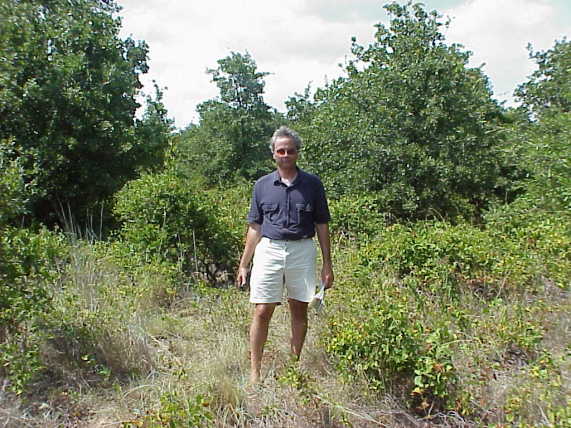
(252, 238)
(327, 276)
(242, 277)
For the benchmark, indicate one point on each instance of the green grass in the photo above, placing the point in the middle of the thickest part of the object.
(451, 325)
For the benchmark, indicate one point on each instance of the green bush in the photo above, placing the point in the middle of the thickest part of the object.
(176, 411)
(171, 218)
(14, 192)
(435, 375)
(29, 262)
(541, 151)
(544, 237)
(140, 282)
(357, 215)
(440, 258)
(418, 307)
(389, 345)
(380, 345)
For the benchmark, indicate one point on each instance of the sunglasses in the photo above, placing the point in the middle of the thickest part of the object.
(283, 152)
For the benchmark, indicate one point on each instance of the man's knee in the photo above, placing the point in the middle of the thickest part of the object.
(264, 311)
(298, 310)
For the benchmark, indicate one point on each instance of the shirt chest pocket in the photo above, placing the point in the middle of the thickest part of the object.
(304, 213)
(270, 212)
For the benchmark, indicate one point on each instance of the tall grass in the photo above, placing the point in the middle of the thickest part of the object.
(132, 342)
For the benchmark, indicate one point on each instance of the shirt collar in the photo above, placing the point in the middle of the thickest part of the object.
(277, 179)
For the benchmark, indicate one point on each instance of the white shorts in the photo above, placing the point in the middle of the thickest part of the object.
(283, 263)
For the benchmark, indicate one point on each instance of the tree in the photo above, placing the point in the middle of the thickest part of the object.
(231, 139)
(241, 85)
(538, 143)
(300, 108)
(549, 87)
(153, 132)
(169, 216)
(68, 87)
(410, 123)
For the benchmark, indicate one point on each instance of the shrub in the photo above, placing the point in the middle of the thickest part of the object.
(393, 350)
(435, 375)
(543, 236)
(431, 309)
(440, 258)
(358, 215)
(168, 217)
(541, 397)
(29, 262)
(14, 192)
(177, 411)
(380, 335)
(380, 345)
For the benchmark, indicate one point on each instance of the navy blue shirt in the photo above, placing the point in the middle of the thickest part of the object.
(289, 212)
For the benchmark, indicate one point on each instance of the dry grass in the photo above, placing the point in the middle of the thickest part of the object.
(199, 347)
(127, 349)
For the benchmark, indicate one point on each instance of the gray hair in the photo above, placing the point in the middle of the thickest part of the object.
(284, 131)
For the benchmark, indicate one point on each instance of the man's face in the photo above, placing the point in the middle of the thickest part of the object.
(285, 153)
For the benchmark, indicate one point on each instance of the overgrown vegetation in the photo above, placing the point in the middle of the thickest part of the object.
(453, 258)
(68, 88)
(413, 115)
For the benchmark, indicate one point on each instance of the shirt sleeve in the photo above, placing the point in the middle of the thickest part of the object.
(255, 215)
(322, 214)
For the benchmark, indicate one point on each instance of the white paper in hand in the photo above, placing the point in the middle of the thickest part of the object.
(318, 301)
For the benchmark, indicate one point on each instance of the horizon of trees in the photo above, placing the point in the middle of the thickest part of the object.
(410, 126)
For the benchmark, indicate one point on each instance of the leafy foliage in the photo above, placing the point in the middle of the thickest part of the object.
(176, 411)
(538, 145)
(241, 84)
(167, 216)
(231, 140)
(386, 343)
(14, 191)
(357, 216)
(68, 85)
(440, 258)
(549, 88)
(153, 132)
(541, 151)
(381, 345)
(410, 122)
(424, 310)
(29, 262)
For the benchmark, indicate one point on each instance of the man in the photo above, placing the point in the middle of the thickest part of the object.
(288, 208)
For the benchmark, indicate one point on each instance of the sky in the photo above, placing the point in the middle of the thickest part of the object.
(302, 42)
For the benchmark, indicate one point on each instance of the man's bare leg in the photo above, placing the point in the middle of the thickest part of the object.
(298, 311)
(258, 335)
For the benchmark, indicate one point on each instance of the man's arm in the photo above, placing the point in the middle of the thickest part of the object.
(325, 244)
(252, 238)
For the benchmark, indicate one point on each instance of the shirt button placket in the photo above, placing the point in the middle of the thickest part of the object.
(287, 206)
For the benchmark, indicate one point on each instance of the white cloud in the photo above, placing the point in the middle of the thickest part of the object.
(343, 10)
(291, 40)
(498, 34)
(302, 41)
